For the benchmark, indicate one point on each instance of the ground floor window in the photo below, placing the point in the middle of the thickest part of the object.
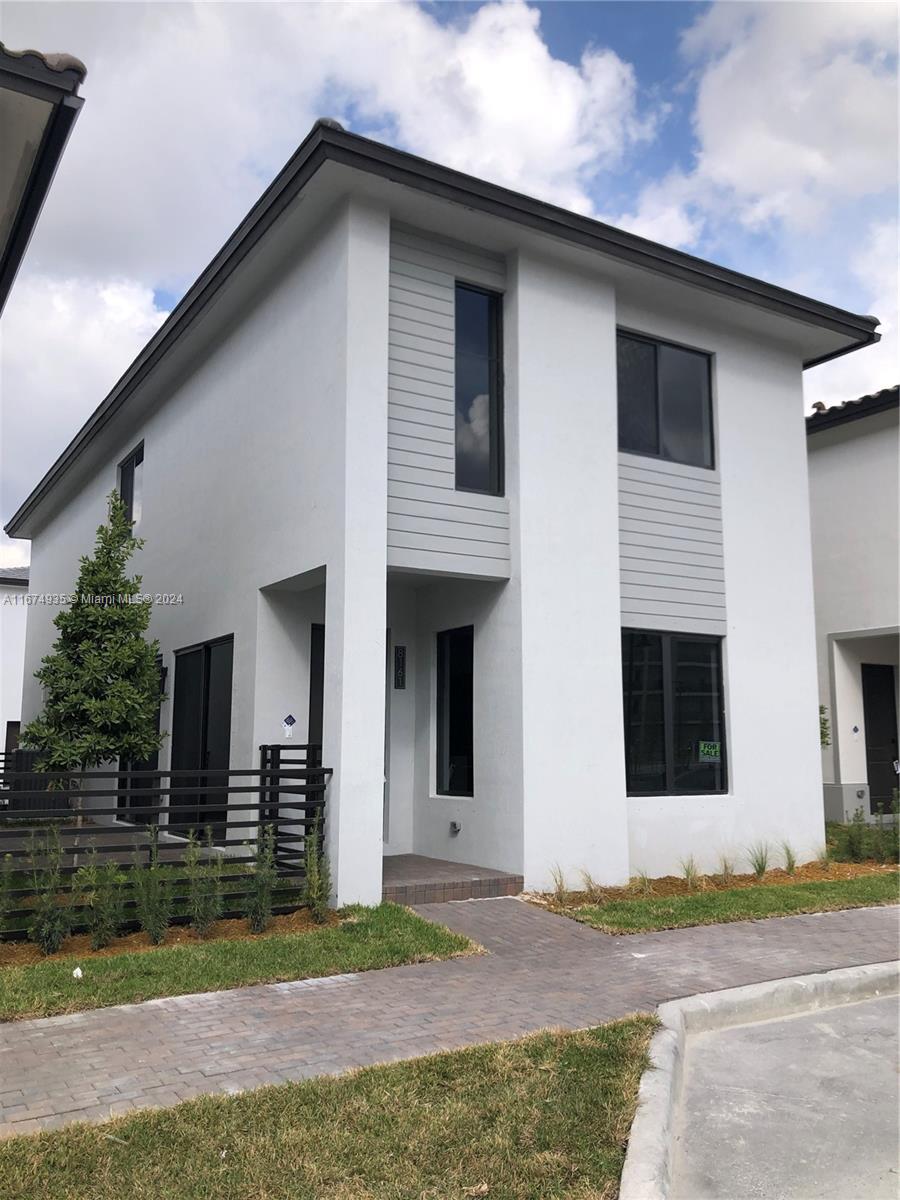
(674, 713)
(454, 711)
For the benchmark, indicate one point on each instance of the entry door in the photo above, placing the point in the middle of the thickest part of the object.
(316, 684)
(201, 733)
(880, 711)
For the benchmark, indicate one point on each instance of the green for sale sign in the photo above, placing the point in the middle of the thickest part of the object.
(710, 752)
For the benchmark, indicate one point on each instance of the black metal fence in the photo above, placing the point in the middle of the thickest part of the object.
(119, 816)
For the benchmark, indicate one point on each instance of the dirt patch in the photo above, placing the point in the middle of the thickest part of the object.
(674, 885)
(20, 954)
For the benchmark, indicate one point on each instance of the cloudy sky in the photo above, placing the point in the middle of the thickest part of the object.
(760, 135)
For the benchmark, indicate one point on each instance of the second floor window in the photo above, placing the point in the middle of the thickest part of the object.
(131, 485)
(479, 417)
(665, 402)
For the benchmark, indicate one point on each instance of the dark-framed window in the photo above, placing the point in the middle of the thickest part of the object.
(454, 711)
(479, 391)
(665, 400)
(674, 706)
(131, 484)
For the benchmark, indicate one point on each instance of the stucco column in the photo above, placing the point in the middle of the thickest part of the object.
(561, 358)
(355, 587)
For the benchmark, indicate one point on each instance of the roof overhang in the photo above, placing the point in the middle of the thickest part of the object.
(854, 410)
(38, 107)
(382, 170)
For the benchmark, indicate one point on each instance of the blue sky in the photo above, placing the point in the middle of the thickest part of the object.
(760, 135)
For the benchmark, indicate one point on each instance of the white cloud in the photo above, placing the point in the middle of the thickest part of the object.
(876, 367)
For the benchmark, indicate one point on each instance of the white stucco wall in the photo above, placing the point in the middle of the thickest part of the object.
(774, 769)
(13, 615)
(853, 483)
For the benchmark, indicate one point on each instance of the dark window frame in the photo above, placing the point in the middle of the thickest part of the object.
(497, 447)
(442, 748)
(668, 639)
(128, 464)
(656, 342)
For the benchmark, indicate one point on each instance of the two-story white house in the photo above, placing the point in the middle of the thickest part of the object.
(854, 499)
(505, 506)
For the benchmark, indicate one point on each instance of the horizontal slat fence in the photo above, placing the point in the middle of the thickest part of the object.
(122, 814)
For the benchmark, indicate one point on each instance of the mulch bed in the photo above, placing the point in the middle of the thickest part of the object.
(21, 954)
(675, 885)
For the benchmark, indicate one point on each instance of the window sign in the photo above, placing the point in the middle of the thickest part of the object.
(710, 752)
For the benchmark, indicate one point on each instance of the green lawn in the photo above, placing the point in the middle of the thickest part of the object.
(385, 936)
(538, 1119)
(643, 914)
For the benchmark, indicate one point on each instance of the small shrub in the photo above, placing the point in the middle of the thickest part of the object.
(726, 869)
(690, 873)
(592, 889)
(317, 887)
(823, 858)
(758, 856)
(560, 889)
(51, 917)
(642, 883)
(153, 894)
(262, 882)
(204, 882)
(856, 837)
(101, 890)
(790, 858)
(824, 727)
(7, 901)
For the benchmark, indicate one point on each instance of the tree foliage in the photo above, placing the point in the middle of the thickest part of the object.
(101, 681)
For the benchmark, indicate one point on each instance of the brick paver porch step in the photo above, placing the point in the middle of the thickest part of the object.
(415, 879)
(541, 970)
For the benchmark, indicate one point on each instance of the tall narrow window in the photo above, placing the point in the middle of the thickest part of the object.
(479, 448)
(665, 402)
(674, 713)
(454, 712)
(131, 480)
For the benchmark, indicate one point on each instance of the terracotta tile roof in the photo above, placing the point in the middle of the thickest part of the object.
(53, 62)
(852, 410)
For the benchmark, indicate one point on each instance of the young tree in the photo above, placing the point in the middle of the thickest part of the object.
(101, 682)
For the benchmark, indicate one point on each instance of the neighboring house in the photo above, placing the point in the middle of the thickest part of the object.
(431, 466)
(854, 500)
(13, 611)
(39, 103)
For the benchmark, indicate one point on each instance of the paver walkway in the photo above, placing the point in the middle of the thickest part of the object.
(542, 970)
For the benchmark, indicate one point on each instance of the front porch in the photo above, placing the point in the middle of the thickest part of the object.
(417, 879)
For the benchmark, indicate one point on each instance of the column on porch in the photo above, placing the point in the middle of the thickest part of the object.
(355, 601)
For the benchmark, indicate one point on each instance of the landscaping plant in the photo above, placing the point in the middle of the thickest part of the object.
(590, 886)
(262, 882)
(51, 916)
(824, 726)
(856, 837)
(790, 858)
(726, 869)
(204, 879)
(317, 888)
(758, 854)
(101, 681)
(7, 903)
(690, 872)
(101, 891)
(560, 887)
(642, 883)
(153, 894)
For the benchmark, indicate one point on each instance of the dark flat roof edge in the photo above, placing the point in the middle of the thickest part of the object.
(854, 410)
(62, 71)
(328, 142)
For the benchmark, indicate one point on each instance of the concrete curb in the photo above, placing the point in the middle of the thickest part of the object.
(648, 1162)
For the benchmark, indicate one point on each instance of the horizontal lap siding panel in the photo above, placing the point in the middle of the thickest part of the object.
(429, 523)
(671, 561)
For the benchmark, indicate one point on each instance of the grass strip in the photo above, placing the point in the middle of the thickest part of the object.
(385, 936)
(645, 914)
(538, 1119)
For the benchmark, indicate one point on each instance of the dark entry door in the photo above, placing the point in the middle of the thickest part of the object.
(880, 711)
(201, 733)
